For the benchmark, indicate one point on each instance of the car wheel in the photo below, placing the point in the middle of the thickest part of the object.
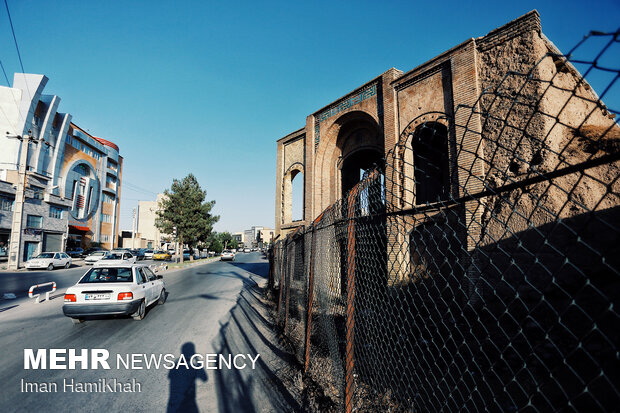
(162, 297)
(67, 265)
(139, 315)
(77, 320)
(50, 267)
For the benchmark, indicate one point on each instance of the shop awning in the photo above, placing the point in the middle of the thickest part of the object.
(79, 228)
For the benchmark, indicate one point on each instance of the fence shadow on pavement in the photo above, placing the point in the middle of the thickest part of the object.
(248, 331)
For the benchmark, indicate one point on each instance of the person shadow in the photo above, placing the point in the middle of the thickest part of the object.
(183, 384)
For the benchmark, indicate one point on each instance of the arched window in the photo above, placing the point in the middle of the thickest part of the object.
(297, 196)
(430, 162)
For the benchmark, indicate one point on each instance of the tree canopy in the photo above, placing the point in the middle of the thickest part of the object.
(183, 209)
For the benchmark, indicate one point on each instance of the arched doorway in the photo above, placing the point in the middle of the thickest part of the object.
(361, 149)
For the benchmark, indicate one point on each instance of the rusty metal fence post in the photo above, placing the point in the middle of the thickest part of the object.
(310, 299)
(283, 262)
(350, 306)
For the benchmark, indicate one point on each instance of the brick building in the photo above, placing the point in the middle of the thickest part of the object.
(438, 110)
(358, 130)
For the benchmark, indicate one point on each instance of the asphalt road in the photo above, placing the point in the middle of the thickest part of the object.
(18, 282)
(212, 308)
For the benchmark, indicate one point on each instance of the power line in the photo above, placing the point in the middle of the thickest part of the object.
(19, 55)
(137, 188)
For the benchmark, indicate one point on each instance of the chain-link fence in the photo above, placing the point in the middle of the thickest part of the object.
(477, 269)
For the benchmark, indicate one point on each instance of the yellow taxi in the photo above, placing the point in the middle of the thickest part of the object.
(162, 255)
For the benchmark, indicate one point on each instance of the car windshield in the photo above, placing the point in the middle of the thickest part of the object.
(107, 275)
(46, 255)
(114, 256)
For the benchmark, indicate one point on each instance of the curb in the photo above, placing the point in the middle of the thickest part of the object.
(208, 261)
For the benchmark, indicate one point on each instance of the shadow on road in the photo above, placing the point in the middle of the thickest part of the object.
(183, 384)
(257, 268)
(248, 331)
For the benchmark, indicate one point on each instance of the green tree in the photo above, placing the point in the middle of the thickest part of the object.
(183, 209)
(225, 239)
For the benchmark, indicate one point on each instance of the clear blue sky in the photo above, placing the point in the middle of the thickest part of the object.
(208, 87)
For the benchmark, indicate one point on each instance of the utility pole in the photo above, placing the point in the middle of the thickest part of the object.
(15, 253)
(133, 230)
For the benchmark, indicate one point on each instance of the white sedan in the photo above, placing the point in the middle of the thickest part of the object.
(120, 290)
(94, 257)
(114, 258)
(49, 261)
(227, 256)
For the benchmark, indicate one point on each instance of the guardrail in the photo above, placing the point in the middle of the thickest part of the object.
(47, 294)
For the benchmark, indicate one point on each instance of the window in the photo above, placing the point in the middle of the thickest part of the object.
(112, 165)
(106, 218)
(90, 197)
(6, 204)
(34, 221)
(106, 275)
(149, 274)
(69, 142)
(105, 238)
(37, 193)
(141, 277)
(108, 198)
(56, 212)
(430, 162)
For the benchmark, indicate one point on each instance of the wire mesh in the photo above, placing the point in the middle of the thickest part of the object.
(477, 268)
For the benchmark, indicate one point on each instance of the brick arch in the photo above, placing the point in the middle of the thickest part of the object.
(287, 188)
(402, 156)
(336, 145)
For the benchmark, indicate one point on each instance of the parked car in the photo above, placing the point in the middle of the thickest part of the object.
(49, 261)
(114, 258)
(162, 255)
(246, 250)
(76, 253)
(148, 254)
(90, 250)
(139, 254)
(227, 256)
(116, 290)
(94, 257)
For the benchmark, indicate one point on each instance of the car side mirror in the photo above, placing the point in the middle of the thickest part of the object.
(160, 277)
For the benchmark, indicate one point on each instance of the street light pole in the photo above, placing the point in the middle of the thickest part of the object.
(15, 253)
(133, 230)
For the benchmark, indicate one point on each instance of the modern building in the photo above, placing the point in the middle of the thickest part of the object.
(146, 216)
(255, 236)
(239, 237)
(267, 236)
(73, 178)
(250, 236)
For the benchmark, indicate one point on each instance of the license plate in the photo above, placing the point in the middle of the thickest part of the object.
(97, 297)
